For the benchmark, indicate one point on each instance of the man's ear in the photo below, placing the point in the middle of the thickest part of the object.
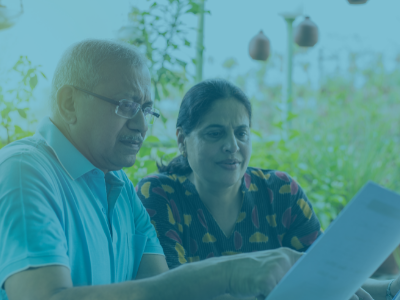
(180, 136)
(66, 104)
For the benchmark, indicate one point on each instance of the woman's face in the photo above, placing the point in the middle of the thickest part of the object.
(219, 148)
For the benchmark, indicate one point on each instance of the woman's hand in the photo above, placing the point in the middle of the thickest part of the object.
(395, 287)
(257, 273)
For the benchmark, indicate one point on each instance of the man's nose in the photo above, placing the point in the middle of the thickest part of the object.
(138, 123)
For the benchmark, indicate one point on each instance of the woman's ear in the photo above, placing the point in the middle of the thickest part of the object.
(180, 136)
(66, 104)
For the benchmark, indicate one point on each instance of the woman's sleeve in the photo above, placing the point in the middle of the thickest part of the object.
(165, 218)
(299, 219)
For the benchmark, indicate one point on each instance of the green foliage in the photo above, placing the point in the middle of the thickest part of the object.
(341, 136)
(7, 18)
(334, 140)
(230, 63)
(153, 151)
(15, 100)
(160, 32)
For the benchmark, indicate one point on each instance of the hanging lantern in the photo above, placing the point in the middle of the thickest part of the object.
(259, 47)
(306, 34)
(357, 1)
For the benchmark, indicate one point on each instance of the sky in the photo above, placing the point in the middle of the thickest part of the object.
(48, 27)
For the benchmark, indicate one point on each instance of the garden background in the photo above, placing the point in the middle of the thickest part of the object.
(344, 125)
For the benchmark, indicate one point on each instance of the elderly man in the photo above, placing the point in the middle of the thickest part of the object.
(71, 225)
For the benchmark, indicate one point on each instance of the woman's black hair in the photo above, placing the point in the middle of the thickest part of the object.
(195, 104)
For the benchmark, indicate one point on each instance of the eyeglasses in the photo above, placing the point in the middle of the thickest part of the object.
(127, 108)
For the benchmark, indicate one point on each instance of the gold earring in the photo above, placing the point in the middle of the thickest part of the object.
(182, 148)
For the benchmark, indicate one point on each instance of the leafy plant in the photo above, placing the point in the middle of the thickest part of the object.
(341, 137)
(15, 101)
(152, 151)
(160, 32)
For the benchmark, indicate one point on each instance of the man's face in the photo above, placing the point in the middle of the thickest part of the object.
(107, 140)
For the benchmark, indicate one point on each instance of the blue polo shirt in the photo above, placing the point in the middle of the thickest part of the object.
(56, 208)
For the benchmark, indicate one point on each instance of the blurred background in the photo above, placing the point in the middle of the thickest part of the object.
(325, 90)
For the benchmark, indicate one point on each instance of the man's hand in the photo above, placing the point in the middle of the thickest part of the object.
(257, 273)
(242, 276)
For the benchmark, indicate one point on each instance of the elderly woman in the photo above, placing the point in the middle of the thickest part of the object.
(208, 202)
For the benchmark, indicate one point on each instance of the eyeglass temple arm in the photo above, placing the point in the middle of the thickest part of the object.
(98, 96)
(157, 115)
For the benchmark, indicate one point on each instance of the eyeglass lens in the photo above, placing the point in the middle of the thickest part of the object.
(128, 109)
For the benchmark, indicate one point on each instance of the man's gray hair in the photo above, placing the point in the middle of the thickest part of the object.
(82, 64)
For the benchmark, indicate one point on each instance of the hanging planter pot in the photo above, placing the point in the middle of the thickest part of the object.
(259, 47)
(357, 1)
(306, 34)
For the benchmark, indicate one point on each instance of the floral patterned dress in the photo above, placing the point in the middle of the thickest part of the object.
(275, 213)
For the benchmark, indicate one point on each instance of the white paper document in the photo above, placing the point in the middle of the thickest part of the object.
(351, 249)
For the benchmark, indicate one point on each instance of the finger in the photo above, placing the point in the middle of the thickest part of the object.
(293, 255)
(269, 285)
(363, 295)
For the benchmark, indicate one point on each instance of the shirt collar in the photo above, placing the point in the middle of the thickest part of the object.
(73, 162)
